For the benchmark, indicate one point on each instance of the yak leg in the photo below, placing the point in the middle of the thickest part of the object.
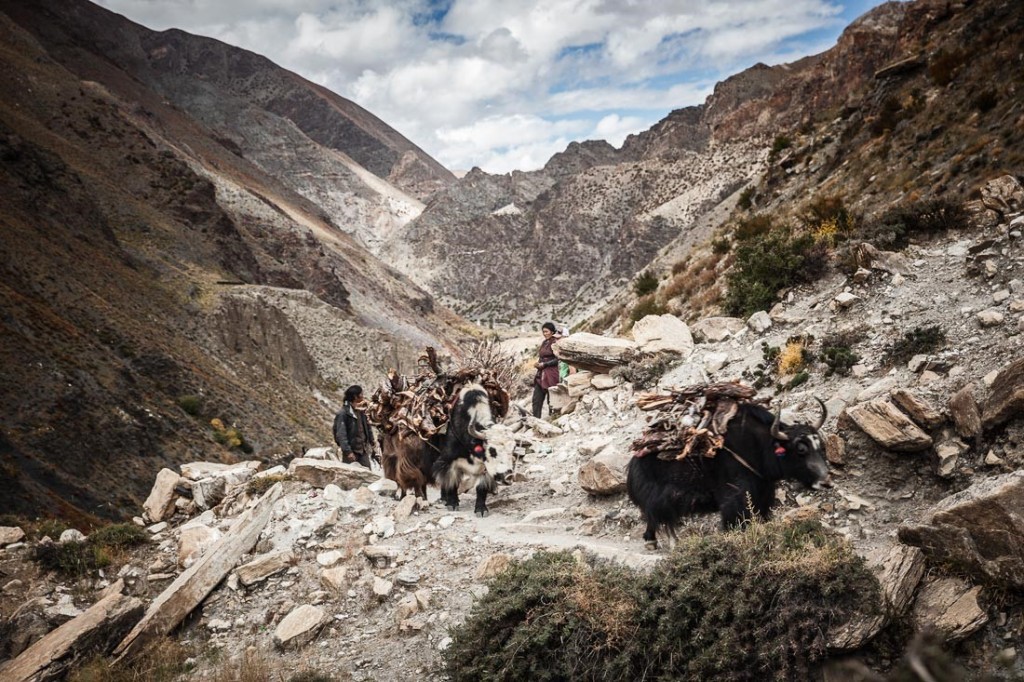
(737, 508)
(450, 496)
(650, 535)
(482, 488)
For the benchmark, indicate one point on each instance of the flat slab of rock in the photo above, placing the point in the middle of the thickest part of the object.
(594, 352)
(160, 503)
(890, 428)
(234, 474)
(319, 473)
(1006, 397)
(195, 541)
(603, 382)
(96, 630)
(264, 566)
(919, 409)
(299, 626)
(949, 606)
(605, 473)
(898, 574)
(980, 529)
(715, 329)
(663, 333)
(335, 579)
(194, 584)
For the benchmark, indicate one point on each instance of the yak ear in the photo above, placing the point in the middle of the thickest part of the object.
(778, 434)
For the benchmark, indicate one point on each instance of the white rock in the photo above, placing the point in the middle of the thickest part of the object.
(543, 514)
(760, 322)
(716, 329)
(194, 542)
(160, 502)
(877, 389)
(319, 453)
(1000, 296)
(657, 333)
(846, 300)
(299, 626)
(330, 558)
(219, 624)
(715, 361)
(335, 579)
(333, 495)
(71, 535)
(990, 318)
(492, 566)
(404, 508)
(382, 588)
(603, 382)
(445, 522)
(158, 528)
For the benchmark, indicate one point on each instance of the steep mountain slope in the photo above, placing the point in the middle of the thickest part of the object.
(365, 176)
(154, 281)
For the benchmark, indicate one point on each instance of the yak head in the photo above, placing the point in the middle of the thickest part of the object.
(491, 443)
(801, 450)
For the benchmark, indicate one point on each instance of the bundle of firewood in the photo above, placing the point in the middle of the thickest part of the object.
(689, 421)
(421, 404)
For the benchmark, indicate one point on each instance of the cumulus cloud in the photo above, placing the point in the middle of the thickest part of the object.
(505, 85)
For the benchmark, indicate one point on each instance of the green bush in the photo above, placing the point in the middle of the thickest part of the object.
(839, 360)
(721, 245)
(645, 284)
(119, 535)
(648, 305)
(71, 558)
(644, 372)
(918, 341)
(894, 228)
(746, 200)
(753, 604)
(191, 404)
(768, 264)
(780, 143)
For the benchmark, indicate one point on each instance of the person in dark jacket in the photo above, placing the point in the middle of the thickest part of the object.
(352, 430)
(547, 368)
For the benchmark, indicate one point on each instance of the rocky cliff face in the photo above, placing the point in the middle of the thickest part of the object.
(156, 279)
(365, 176)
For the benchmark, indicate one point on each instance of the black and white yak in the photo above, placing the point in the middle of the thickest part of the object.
(476, 451)
(759, 450)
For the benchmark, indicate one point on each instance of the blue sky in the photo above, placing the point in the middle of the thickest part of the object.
(504, 84)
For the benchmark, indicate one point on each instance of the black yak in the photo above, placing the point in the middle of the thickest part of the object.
(475, 448)
(739, 481)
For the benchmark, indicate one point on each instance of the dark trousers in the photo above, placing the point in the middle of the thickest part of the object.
(539, 396)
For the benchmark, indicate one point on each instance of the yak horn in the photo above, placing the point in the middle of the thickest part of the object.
(776, 433)
(476, 433)
(824, 414)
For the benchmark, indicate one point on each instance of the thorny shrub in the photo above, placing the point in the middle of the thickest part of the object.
(646, 283)
(768, 264)
(894, 228)
(644, 372)
(752, 604)
(837, 353)
(93, 553)
(258, 486)
(917, 341)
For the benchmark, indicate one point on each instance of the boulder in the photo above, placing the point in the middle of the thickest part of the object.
(319, 453)
(871, 258)
(964, 411)
(919, 409)
(835, 449)
(947, 456)
(950, 607)
(10, 534)
(594, 352)
(990, 318)
(603, 382)
(980, 530)
(71, 535)
(404, 508)
(492, 566)
(898, 574)
(558, 397)
(299, 626)
(715, 329)
(1003, 195)
(264, 566)
(579, 383)
(208, 492)
(605, 473)
(160, 503)
(1006, 397)
(319, 473)
(846, 300)
(594, 445)
(335, 579)
(657, 333)
(382, 588)
(889, 427)
(233, 474)
(760, 322)
(194, 542)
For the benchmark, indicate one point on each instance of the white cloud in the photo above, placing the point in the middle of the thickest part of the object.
(495, 83)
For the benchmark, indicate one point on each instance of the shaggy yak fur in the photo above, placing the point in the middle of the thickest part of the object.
(475, 449)
(739, 481)
(409, 461)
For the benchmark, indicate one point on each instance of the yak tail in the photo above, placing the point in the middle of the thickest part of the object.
(409, 475)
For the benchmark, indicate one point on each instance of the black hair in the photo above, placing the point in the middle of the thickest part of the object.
(550, 326)
(353, 392)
